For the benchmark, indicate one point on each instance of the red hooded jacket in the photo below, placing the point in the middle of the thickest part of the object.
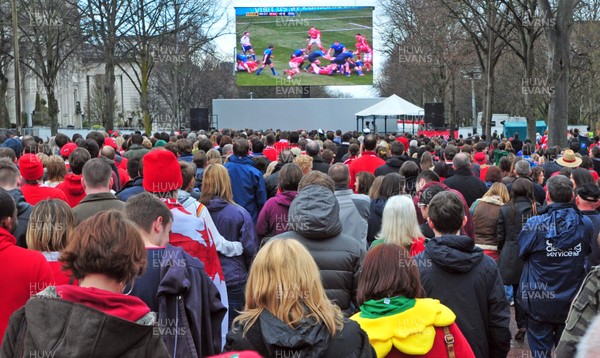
(73, 189)
(25, 273)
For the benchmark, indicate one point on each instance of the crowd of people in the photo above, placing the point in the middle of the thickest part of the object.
(295, 243)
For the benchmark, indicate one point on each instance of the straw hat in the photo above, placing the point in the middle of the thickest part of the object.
(569, 159)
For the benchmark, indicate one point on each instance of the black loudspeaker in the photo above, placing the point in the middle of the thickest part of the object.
(434, 115)
(199, 119)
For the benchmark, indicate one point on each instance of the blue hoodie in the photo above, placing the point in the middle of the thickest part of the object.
(235, 224)
(553, 245)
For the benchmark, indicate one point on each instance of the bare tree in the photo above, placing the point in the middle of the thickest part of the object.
(484, 21)
(50, 37)
(105, 23)
(557, 27)
(6, 60)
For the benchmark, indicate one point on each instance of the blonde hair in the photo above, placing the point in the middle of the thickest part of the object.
(374, 191)
(399, 223)
(50, 226)
(216, 183)
(304, 162)
(285, 280)
(56, 168)
(213, 157)
(498, 189)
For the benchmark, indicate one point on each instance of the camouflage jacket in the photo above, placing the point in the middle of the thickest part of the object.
(584, 308)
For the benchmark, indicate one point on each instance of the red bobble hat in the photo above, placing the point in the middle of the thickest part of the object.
(479, 158)
(31, 167)
(111, 142)
(67, 149)
(161, 172)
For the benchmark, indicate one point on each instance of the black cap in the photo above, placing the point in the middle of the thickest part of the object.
(589, 192)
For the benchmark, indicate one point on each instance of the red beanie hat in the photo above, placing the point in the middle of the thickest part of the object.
(111, 142)
(161, 172)
(31, 167)
(404, 141)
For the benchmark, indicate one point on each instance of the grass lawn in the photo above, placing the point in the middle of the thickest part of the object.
(289, 33)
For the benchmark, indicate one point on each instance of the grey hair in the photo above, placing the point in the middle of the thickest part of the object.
(523, 168)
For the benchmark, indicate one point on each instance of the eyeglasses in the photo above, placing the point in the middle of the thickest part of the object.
(421, 205)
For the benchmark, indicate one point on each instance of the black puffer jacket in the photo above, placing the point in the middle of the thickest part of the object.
(392, 165)
(315, 221)
(456, 272)
(510, 223)
(270, 337)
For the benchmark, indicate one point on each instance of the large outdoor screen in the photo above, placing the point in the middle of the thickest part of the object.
(304, 46)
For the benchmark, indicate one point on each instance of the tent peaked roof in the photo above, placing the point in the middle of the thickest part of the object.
(392, 106)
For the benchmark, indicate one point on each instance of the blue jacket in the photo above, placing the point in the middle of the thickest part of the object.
(247, 185)
(235, 224)
(130, 189)
(553, 245)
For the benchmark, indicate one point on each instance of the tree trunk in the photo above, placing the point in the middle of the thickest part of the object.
(108, 112)
(558, 34)
(486, 125)
(145, 90)
(4, 116)
(531, 123)
(52, 110)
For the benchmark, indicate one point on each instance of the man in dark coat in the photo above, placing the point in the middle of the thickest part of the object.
(463, 180)
(342, 148)
(457, 273)
(313, 150)
(393, 164)
(314, 218)
(554, 245)
(174, 279)
(97, 182)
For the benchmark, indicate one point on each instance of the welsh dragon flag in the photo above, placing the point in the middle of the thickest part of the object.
(193, 235)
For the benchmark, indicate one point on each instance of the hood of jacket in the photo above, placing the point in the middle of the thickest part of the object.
(241, 160)
(454, 253)
(396, 162)
(285, 198)
(72, 184)
(6, 239)
(564, 225)
(411, 331)
(22, 205)
(309, 339)
(217, 204)
(494, 200)
(315, 213)
(377, 206)
(57, 324)
(183, 196)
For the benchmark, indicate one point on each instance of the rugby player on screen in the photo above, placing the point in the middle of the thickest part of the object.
(243, 64)
(298, 52)
(314, 37)
(314, 57)
(267, 56)
(295, 65)
(247, 45)
(367, 56)
(336, 49)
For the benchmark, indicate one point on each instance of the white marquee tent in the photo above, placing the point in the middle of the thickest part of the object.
(394, 107)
